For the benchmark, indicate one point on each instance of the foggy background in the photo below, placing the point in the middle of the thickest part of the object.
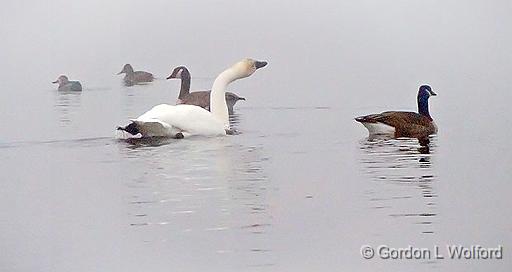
(320, 52)
(68, 185)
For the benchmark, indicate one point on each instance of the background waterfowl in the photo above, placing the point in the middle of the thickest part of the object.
(183, 120)
(135, 77)
(198, 98)
(66, 85)
(401, 123)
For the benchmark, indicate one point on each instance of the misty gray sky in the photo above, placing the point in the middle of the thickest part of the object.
(319, 51)
(68, 185)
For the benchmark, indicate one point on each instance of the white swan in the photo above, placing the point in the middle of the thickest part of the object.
(186, 120)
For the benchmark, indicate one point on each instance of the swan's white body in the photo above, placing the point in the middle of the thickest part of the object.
(169, 120)
(188, 120)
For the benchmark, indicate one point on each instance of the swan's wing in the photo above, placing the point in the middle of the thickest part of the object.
(185, 118)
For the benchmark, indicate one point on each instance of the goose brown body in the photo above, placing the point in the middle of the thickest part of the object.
(198, 98)
(406, 124)
(202, 99)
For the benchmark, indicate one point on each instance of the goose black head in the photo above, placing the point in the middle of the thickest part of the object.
(180, 72)
(425, 92)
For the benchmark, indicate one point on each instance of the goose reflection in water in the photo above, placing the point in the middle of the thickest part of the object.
(403, 179)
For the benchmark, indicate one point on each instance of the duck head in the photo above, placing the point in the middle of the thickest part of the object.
(61, 80)
(180, 72)
(247, 67)
(127, 68)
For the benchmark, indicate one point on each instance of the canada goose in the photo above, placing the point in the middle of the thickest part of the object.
(401, 123)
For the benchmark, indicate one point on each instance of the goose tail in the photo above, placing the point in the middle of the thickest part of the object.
(374, 126)
(372, 118)
(359, 119)
(363, 119)
(151, 128)
(131, 128)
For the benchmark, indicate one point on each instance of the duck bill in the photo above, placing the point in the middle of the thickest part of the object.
(260, 64)
(56, 81)
(120, 73)
(433, 94)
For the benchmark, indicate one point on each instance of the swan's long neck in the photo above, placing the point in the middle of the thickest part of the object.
(185, 87)
(218, 106)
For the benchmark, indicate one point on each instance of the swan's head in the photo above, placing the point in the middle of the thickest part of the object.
(247, 67)
(180, 72)
(127, 68)
(61, 80)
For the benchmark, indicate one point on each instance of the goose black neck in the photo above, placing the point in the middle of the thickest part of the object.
(423, 107)
(185, 86)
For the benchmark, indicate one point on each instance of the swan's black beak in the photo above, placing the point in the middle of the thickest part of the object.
(260, 64)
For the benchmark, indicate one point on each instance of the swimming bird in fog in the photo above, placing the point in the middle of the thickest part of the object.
(198, 98)
(135, 77)
(186, 120)
(401, 123)
(66, 85)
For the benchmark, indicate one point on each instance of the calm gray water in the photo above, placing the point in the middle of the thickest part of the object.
(301, 188)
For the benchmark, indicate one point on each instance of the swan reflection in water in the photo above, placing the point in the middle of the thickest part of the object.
(201, 189)
(403, 179)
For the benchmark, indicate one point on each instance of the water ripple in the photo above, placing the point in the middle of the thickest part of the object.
(402, 180)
